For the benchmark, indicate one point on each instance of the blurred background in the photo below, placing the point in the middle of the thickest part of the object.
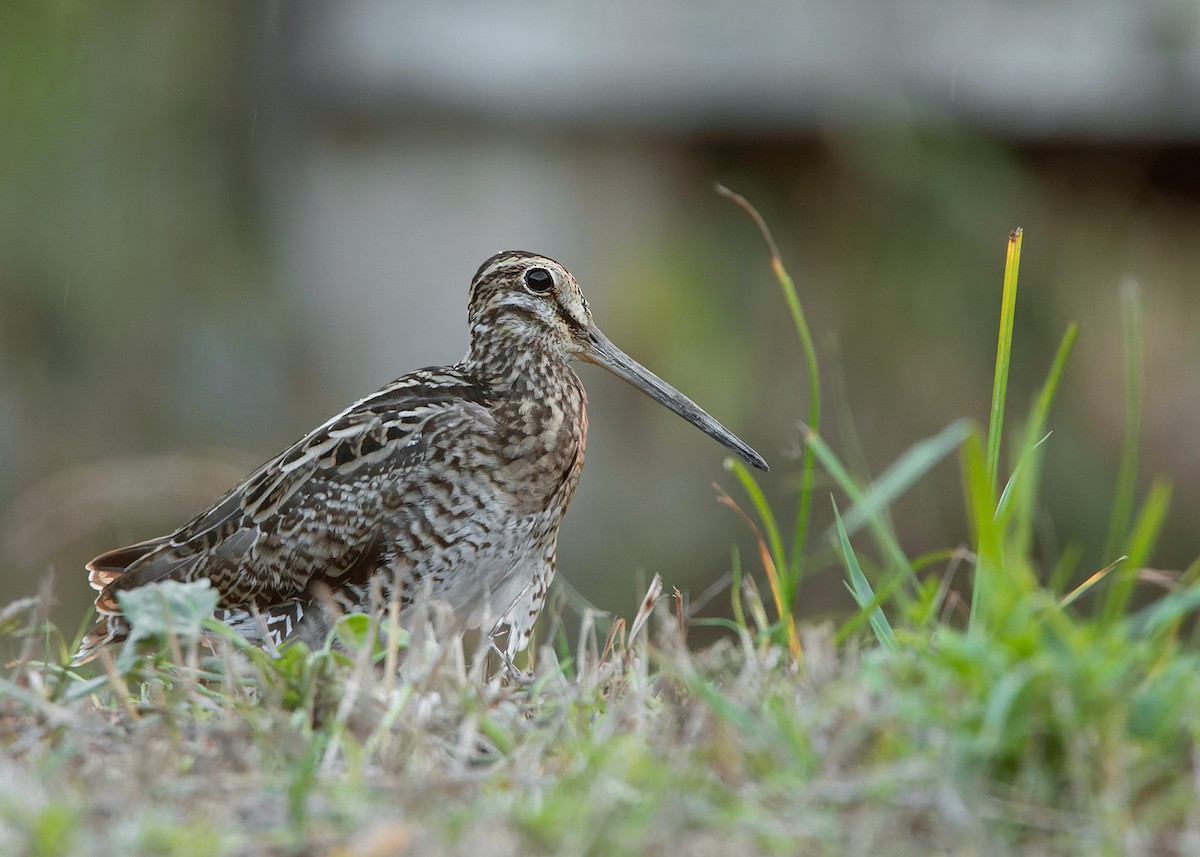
(222, 222)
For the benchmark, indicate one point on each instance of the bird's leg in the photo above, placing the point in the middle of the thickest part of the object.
(512, 673)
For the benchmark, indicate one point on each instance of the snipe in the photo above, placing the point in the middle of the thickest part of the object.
(452, 479)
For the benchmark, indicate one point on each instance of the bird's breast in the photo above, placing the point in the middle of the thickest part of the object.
(542, 437)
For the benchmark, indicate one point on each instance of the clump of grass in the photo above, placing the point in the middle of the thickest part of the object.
(1032, 718)
(1075, 711)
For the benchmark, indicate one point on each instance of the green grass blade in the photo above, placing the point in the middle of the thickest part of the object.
(883, 593)
(808, 464)
(763, 508)
(833, 465)
(1008, 303)
(981, 511)
(1022, 466)
(1001, 701)
(912, 466)
(1166, 613)
(1022, 484)
(1085, 587)
(1141, 543)
(848, 437)
(860, 587)
(881, 529)
(1123, 498)
(1041, 407)
(1148, 525)
(1064, 568)
(1041, 411)
(735, 589)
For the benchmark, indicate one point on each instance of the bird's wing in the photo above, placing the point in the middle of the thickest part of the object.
(316, 509)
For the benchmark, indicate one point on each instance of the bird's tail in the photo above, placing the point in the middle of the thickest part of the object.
(103, 571)
(110, 628)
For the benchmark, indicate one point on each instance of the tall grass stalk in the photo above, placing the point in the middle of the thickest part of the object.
(983, 476)
(792, 569)
(1008, 305)
(1123, 496)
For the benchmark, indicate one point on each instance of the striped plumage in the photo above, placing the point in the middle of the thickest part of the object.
(453, 479)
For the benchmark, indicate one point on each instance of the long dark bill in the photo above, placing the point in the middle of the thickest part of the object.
(600, 350)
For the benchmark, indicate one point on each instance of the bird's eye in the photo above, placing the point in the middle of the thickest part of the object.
(539, 280)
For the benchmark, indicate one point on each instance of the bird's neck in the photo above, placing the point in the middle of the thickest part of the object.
(540, 407)
(530, 370)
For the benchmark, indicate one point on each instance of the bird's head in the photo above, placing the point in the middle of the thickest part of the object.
(524, 301)
(525, 307)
